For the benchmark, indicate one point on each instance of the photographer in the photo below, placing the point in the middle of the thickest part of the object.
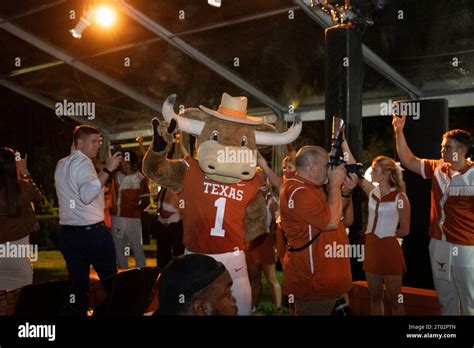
(313, 220)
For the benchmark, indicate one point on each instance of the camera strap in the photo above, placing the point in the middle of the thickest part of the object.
(303, 247)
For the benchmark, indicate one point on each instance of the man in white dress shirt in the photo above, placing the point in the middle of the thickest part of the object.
(84, 238)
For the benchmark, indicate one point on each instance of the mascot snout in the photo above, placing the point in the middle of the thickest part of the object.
(228, 163)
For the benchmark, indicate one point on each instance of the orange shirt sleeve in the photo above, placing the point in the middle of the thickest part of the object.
(311, 207)
(428, 167)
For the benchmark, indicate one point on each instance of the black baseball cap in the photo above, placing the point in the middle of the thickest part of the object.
(184, 276)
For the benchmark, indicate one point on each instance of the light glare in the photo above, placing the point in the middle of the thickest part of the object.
(105, 16)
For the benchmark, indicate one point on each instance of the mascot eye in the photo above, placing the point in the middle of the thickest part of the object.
(215, 136)
(244, 141)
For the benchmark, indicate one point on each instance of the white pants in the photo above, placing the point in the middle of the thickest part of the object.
(237, 267)
(459, 292)
(127, 234)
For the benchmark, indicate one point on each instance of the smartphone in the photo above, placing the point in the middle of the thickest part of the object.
(116, 148)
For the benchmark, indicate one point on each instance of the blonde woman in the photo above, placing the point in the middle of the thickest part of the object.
(389, 219)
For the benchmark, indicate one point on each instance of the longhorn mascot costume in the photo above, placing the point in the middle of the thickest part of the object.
(221, 203)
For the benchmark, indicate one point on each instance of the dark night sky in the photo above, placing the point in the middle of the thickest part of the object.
(28, 127)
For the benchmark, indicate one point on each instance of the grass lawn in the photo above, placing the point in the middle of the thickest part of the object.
(265, 306)
(51, 265)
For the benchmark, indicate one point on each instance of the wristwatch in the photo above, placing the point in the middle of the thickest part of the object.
(105, 170)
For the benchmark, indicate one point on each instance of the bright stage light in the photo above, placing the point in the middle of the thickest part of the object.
(105, 16)
(215, 3)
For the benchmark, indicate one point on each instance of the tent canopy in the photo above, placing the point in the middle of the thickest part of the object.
(269, 50)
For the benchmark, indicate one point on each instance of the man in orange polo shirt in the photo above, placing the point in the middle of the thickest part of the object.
(312, 280)
(452, 216)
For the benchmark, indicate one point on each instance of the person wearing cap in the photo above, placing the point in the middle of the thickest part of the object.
(195, 284)
(133, 197)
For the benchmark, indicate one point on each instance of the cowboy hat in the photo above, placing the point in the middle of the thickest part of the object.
(233, 109)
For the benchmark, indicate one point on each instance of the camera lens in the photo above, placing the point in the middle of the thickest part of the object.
(355, 168)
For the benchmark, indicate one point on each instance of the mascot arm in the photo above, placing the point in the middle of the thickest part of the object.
(255, 218)
(156, 166)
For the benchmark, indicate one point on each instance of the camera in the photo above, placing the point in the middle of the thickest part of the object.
(355, 168)
(336, 155)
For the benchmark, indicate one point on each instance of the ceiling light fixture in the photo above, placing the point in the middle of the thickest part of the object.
(215, 3)
(84, 22)
(103, 15)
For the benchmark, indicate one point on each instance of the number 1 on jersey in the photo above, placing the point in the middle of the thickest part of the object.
(217, 230)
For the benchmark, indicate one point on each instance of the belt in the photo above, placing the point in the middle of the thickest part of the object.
(86, 227)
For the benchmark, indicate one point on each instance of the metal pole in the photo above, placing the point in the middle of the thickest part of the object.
(199, 56)
(56, 52)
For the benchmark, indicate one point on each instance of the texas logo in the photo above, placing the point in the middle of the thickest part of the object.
(223, 190)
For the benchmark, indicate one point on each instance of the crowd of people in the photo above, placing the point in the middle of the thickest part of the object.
(312, 212)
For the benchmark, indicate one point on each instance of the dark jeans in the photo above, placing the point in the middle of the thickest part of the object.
(147, 227)
(169, 242)
(82, 247)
